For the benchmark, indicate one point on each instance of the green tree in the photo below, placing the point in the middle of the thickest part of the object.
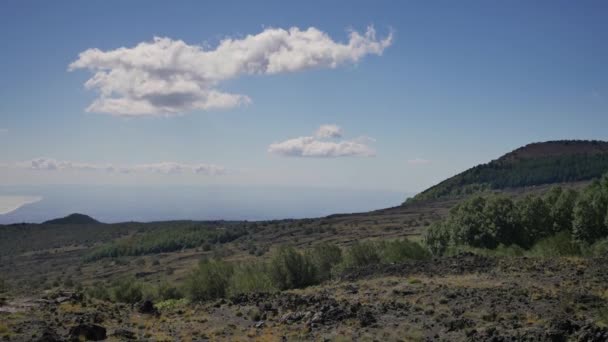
(534, 218)
(562, 209)
(589, 222)
(502, 222)
(469, 224)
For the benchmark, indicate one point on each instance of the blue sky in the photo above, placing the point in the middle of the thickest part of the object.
(459, 84)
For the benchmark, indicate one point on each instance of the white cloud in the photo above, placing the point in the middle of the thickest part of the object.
(3, 130)
(169, 77)
(418, 161)
(318, 146)
(329, 131)
(50, 164)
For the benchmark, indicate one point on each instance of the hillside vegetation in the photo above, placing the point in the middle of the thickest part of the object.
(535, 164)
(514, 263)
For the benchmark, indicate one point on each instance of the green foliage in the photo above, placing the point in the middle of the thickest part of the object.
(556, 221)
(165, 291)
(560, 244)
(468, 224)
(291, 269)
(534, 219)
(126, 290)
(209, 281)
(395, 251)
(599, 248)
(98, 291)
(167, 240)
(362, 254)
(251, 277)
(561, 203)
(324, 257)
(437, 237)
(590, 215)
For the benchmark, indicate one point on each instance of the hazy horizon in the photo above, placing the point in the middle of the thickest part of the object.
(113, 204)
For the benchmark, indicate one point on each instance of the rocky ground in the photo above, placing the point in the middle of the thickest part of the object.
(461, 298)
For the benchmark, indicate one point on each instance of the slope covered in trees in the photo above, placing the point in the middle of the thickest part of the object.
(534, 164)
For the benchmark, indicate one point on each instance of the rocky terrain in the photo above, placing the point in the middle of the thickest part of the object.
(460, 298)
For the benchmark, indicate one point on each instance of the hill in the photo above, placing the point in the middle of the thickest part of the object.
(73, 219)
(563, 161)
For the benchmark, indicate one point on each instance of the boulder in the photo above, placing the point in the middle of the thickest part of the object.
(124, 334)
(88, 332)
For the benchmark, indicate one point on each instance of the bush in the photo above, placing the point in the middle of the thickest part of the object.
(98, 291)
(291, 269)
(437, 238)
(401, 250)
(590, 212)
(362, 254)
(209, 281)
(560, 244)
(166, 292)
(600, 248)
(252, 277)
(325, 256)
(127, 290)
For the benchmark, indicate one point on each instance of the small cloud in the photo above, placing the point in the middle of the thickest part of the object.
(3, 130)
(167, 77)
(418, 161)
(329, 131)
(317, 145)
(50, 164)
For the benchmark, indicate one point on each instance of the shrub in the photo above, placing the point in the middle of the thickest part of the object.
(600, 248)
(252, 277)
(325, 256)
(362, 254)
(401, 250)
(437, 238)
(98, 291)
(127, 290)
(560, 244)
(291, 269)
(209, 281)
(166, 292)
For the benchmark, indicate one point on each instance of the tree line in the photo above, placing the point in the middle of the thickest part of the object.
(491, 221)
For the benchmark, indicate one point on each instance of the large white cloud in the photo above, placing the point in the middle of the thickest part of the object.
(168, 77)
(51, 164)
(321, 146)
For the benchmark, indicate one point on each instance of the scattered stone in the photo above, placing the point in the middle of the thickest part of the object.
(124, 334)
(366, 318)
(88, 332)
(259, 324)
(49, 335)
(147, 307)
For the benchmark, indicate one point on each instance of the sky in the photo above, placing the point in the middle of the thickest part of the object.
(370, 95)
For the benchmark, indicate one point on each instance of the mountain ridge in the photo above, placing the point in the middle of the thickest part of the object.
(540, 163)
